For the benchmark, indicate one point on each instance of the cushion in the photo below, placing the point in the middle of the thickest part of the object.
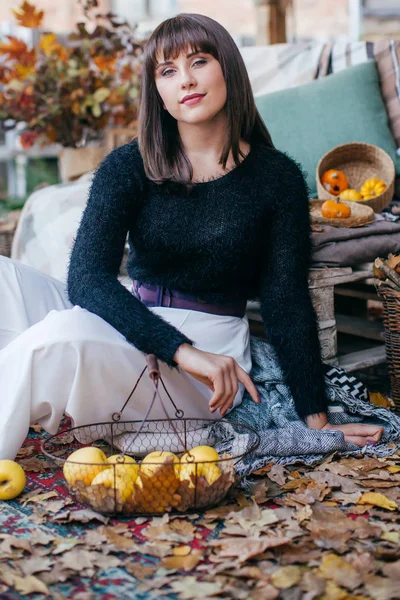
(387, 57)
(309, 120)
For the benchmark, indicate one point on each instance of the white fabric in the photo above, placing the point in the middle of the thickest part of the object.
(48, 224)
(55, 358)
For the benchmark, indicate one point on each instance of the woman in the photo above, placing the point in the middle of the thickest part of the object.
(215, 216)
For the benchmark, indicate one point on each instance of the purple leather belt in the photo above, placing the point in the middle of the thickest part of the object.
(157, 295)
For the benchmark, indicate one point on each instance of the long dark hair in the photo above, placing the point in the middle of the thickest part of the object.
(159, 141)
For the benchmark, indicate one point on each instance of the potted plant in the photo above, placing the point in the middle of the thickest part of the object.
(70, 93)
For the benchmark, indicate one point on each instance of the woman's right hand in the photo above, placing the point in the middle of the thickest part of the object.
(219, 373)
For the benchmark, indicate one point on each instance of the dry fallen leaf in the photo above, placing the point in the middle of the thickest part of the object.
(381, 588)
(286, 577)
(181, 551)
(341, 572)
(377, 499)
(378, 399)
(24, 585)
(190, 587)
(247, 548)
(40, 498)
(187, 562)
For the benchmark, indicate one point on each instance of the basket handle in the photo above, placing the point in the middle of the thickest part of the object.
(152, 366)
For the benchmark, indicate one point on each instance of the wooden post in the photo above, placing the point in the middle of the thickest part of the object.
(271, 21)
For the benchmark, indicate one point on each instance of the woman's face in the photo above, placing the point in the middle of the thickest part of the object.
(187, 75)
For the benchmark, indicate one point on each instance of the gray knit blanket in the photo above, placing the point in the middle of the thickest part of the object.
(284, 438)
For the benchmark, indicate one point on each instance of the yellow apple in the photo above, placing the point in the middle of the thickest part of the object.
(84, 464)
(154, 460)
(203, 453)
(121, 483)
(12, 479)
(126, 466)
(196, 463)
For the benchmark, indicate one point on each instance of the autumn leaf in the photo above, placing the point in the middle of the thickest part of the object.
(28, 16)
(23, 71)
(39, 497)
(191, 587)
(105, 63)
(393, 261)
(377, 499)
(378, 399)
(393, 469)
(15, 48)
(25, 585)
(50, 47)
(188, 562)
(286, 577)
(47, 43)
(391, 536)
(340, 571)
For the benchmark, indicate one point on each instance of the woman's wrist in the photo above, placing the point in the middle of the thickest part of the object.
(181, 350)
(317, 421)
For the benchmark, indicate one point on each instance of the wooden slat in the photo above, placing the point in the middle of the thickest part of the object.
(360, 360)
(356, 293)
(355, 276)
(371, 330)
(323, 272)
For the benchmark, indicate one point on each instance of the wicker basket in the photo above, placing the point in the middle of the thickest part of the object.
(391, 319)
(359, 162)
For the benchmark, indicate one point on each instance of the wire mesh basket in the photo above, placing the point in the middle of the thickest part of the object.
(147, 467)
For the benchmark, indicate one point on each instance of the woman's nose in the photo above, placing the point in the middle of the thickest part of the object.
(188, 80)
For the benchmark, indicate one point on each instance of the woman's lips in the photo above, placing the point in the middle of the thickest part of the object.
(194, 100)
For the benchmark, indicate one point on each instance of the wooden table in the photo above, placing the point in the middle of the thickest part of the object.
(324, 284)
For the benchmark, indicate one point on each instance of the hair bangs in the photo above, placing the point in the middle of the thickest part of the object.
(180, 35)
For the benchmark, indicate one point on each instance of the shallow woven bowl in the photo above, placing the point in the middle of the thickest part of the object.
(359, 162)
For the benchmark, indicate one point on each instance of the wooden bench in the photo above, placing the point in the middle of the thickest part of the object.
(327, 284)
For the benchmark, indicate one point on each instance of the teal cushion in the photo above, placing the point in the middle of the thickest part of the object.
(309, 120)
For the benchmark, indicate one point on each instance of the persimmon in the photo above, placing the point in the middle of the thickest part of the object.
(334, 209)
(334, 181)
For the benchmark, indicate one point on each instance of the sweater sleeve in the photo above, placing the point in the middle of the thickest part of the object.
(96, 257)
(286, 308)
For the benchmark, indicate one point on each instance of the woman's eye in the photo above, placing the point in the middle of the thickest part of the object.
(196, 62)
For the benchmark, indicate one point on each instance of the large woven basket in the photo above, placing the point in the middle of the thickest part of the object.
(359, 162)
(391, 319)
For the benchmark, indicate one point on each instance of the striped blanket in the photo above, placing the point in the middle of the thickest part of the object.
(283, 437)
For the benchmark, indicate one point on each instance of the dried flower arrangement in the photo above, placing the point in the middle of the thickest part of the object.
(69, 94)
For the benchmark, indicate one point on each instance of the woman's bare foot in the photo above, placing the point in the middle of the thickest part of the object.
(358, 433)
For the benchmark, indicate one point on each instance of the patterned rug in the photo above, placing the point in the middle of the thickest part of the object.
(28, 519)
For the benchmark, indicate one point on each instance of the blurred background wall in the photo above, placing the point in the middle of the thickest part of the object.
(322, 20)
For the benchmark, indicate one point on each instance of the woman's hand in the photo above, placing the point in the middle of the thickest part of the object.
(219, 373)
(356, 433)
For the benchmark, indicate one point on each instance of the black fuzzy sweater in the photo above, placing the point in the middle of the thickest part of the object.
(245, 233)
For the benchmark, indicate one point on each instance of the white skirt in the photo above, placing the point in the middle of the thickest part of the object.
(56, 358)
